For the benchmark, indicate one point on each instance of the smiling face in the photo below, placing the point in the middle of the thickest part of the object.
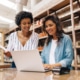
(50, 27)
(25, 24)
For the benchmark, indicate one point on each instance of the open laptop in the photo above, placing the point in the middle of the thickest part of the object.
(28, 60)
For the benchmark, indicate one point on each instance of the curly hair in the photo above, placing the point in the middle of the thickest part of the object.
(21, 15)
(59, 32)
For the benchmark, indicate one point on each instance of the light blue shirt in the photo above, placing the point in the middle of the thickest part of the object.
(63, 52)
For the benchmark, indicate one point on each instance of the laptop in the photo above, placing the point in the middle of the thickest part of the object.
(28, 60)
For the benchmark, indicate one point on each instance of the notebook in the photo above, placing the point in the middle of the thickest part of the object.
(28, 60)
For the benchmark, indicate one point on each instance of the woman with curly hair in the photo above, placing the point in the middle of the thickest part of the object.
(24, 39)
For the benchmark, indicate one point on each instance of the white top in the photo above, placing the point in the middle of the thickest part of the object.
(15, 45)
(52, 51)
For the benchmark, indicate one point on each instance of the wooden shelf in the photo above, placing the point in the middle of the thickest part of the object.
(78, 65)
(77, 46)
(1, 43)
(43, 37)
(11, 30)
(8, 61)
(69, 29)
(35, 27)
(64, 16)
(67, 15)
(53, 6)
(5, 65)
(40, 50)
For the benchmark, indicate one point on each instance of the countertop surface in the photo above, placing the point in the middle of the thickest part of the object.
(13, 74)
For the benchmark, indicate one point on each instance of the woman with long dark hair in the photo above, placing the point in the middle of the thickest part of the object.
(58, 51)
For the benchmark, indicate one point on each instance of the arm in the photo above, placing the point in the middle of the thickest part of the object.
(10, 46)
(43, 55)
(51, 66)
(68, 54)
(8, 54)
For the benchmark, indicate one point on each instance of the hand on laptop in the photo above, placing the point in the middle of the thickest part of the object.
(8, 54)
(49, 66)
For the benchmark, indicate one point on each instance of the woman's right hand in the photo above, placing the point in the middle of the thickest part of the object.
(46, 66)
(8, 54)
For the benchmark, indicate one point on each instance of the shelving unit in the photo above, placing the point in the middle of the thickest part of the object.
(69, 13)
(1, 43)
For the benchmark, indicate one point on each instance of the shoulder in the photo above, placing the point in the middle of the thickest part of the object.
(35, 34)
(66, 37)
(12, 34)
(34, 37)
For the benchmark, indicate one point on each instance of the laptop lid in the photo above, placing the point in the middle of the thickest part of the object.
(28, 60)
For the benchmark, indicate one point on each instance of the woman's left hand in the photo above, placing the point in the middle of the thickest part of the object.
(51, 66)
(48, 66)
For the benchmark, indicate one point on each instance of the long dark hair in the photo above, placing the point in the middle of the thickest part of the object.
(59, 32)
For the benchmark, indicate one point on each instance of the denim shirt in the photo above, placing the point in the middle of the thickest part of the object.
(63, 52)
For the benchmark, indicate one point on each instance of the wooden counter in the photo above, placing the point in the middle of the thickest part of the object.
(12, 74)
(5, 65)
